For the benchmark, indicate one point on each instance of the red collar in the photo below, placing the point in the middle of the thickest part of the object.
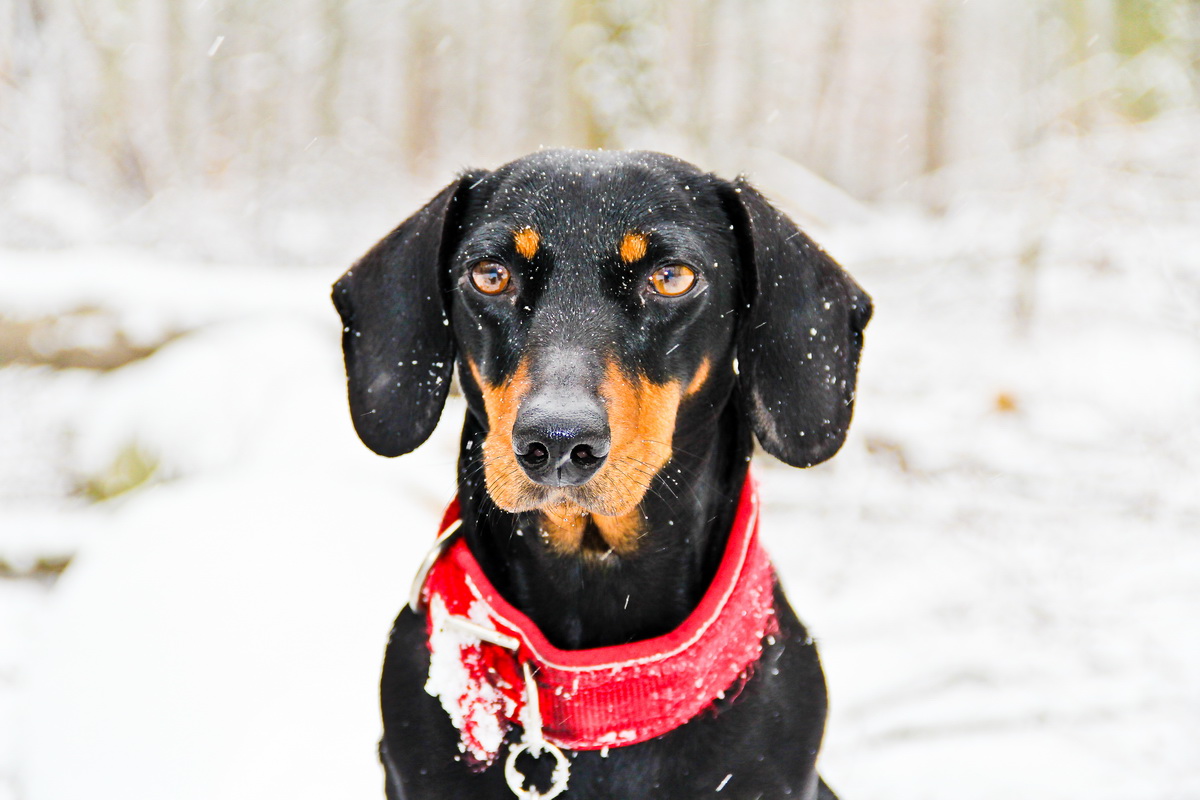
(601, 697)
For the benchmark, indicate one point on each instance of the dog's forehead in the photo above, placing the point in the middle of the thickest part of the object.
(601, 193)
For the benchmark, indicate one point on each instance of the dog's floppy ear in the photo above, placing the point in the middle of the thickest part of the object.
(396, 334)
(800, 340)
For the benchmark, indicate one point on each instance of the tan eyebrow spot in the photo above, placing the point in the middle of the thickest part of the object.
(527, 240)
(633, 246)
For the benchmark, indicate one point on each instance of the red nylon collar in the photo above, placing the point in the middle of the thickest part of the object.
(600, 697)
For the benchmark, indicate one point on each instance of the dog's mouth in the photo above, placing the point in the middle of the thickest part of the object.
(513, 492)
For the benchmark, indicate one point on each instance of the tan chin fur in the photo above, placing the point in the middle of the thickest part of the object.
(563, 525)
(641, 420)
(570, 528)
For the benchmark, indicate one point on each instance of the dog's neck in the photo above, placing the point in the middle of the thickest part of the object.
(594, 600)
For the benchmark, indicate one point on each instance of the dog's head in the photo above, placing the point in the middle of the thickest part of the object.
(597, 304)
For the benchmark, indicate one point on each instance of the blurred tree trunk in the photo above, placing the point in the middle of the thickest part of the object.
(1192, 12)
(419, 103)
(1139, 25)
(333, 28)
(1081, 27)
(756, 89)
(176, 105)
(698, 81)
(586, 34)
(938, 64)
(829, 63)
(1191, 15)
(112, 116)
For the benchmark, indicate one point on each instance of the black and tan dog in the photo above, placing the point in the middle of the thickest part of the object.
(622, 322)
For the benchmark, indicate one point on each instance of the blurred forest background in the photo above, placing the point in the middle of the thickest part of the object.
(243, 124)
(199, 562)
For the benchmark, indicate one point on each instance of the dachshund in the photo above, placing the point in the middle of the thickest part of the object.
(624, 325)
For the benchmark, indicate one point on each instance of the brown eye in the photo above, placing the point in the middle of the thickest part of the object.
(673, 281)
(490, 277)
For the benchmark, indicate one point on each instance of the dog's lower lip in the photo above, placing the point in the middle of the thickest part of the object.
(562, 494)
(559, 495)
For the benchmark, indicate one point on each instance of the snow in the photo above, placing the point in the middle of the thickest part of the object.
(258, 572)
(480, 709)
(999, 567)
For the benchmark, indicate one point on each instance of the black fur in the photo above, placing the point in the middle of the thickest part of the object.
(800, 345)
(396, 331)
(768, 298)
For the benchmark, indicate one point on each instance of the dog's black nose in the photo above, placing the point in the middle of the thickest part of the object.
(560, 443)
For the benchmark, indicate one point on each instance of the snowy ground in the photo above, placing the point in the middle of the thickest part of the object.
(1001, 566)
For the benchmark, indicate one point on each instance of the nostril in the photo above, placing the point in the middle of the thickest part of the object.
(535, 455)
(584, 456)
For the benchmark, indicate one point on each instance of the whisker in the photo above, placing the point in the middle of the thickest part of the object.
(674, 449)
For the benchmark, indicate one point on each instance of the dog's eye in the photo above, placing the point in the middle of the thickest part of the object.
(673, 281)
(490, 277)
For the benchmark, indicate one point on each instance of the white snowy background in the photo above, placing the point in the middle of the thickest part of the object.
(199, 562)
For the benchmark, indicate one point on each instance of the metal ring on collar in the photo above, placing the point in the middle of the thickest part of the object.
(558, 778)
(418, 584)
